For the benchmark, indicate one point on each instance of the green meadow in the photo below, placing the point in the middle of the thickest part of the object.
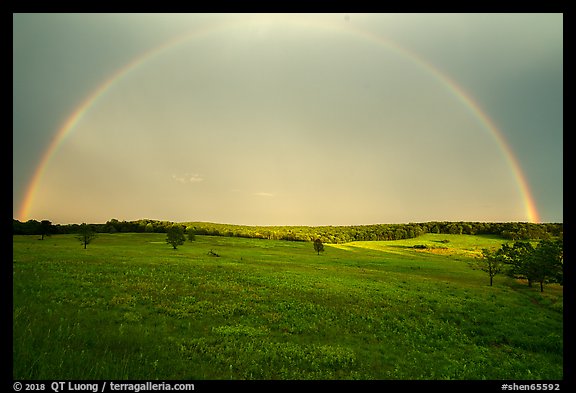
(131, 307)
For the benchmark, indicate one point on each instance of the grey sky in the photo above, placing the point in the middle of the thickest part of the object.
(288, 119)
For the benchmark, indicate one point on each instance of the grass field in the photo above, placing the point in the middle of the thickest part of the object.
(131, 307)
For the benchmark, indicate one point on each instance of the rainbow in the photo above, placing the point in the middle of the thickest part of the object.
(464, 97)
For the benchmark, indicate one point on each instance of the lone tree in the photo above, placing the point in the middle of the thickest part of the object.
(191, 234)
(175, 236)
(85, 234)
(45, 228)
(318, 246)
(492, 263)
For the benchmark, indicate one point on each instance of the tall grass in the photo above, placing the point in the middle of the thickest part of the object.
(131, 307)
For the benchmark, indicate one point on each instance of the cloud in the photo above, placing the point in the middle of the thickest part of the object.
(264, 194)
(188, 178)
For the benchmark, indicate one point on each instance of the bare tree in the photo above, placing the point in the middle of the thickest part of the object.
(86, 234)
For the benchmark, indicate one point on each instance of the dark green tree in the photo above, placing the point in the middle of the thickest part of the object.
(546, 262)
(45, 228)
(318, 246)
(541, 264)
(85, 234)
(516, 257)
(113, 225)
(175, 235)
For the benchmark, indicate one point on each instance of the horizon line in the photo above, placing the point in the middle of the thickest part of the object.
(301, 225)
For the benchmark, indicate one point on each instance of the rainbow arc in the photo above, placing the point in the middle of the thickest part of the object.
(464, 97)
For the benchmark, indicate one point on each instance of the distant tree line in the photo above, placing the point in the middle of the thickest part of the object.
(326, 234)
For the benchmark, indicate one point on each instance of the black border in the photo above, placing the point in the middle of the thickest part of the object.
(332, 7)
